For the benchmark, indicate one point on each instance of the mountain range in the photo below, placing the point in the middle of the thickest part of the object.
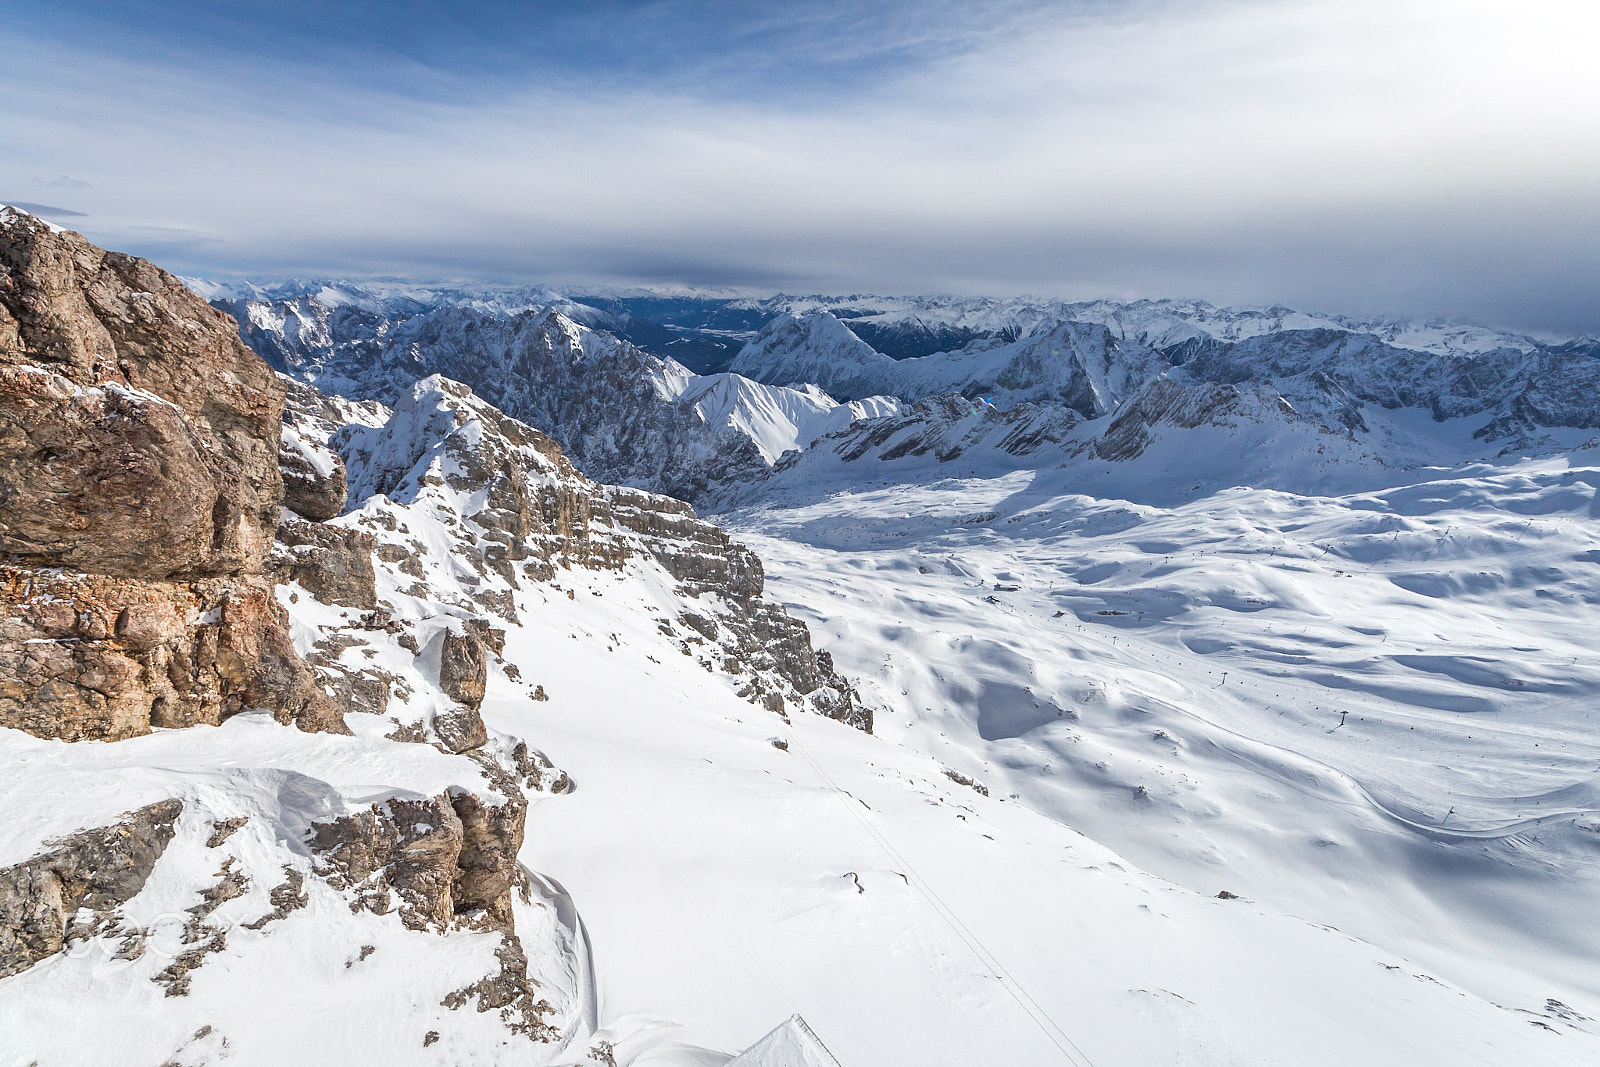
(472, 674)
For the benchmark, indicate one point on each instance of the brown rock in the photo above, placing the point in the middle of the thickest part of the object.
(85, 656)
(463, 668)
(460, 728)
(139, 492)
(447, 858)
(332, 563)
(99, 869)
(138, 435)
(307, 491)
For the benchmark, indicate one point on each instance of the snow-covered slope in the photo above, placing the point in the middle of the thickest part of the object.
(778, 420)
(1373, 710)
(1076, 365)
(1232, 705)
(906, 326)
(628, 416)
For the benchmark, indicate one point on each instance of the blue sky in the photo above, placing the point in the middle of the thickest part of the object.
(1404, 156)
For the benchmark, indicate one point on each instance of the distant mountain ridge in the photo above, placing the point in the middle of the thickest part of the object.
(1052, 380)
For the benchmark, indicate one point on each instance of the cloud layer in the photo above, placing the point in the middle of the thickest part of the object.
(1411, 156)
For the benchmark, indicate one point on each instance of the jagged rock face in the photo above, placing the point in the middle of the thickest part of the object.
(1520, 389)
(333, 563)
(128, 406)
(1163, 402)
(1078, 365)
(42, 899)
(516, 511)
(139, 493)
(614, 408)
(90, 657)
(448, 859)
(947, 427)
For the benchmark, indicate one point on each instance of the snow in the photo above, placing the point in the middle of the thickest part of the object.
(777, 419)
(1261, 744)
(790, 1044)
(726, 883)
(1169, 678)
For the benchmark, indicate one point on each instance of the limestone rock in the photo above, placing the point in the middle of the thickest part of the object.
(92, 657)
(99, 870)
(460, 728)
(332, 563)
(313, 478)
(139, 494)
(463, 667)
(138, 435)
(407, 846)
(448, 859)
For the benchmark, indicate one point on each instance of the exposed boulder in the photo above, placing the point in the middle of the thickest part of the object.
(460, 728)
(332, 563)
(139, 495)
(447, 860)
(407, 847)
(313, 477)
(138, 435)
(464, 676)
(43, 900)
(463, 668)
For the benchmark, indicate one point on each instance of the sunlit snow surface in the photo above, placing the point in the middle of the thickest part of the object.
(1145, 671)
(1171, 681)
(725, 883)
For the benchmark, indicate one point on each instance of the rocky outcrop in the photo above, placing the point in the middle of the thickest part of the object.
(1164, 402)
(315, 484)
(72, 889)
(517, 511)
(463, 677)
(440, 862)
(332, 563)
(313, 478)
(139, 495)
(463, 671)
(138, 435)
(92, 657)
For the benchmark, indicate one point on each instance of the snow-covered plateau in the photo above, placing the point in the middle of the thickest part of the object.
(1109, 684)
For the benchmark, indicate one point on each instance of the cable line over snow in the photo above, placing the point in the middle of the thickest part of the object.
(1031, 1007)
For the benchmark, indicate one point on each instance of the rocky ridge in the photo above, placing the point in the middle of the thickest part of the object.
(476, 516)
(139, 495)
(140, 451)
(609, 403)
(622, 415)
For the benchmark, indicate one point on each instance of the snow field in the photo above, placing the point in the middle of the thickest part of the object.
(1170, 681)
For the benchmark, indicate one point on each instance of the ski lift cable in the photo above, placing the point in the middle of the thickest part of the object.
(1030, 1007)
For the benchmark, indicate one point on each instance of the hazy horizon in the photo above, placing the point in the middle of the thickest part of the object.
(1416, 158)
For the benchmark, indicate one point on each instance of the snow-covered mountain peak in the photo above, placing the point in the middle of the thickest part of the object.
(810, 347)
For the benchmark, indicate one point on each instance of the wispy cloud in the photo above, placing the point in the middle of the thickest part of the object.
(1421, 156)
